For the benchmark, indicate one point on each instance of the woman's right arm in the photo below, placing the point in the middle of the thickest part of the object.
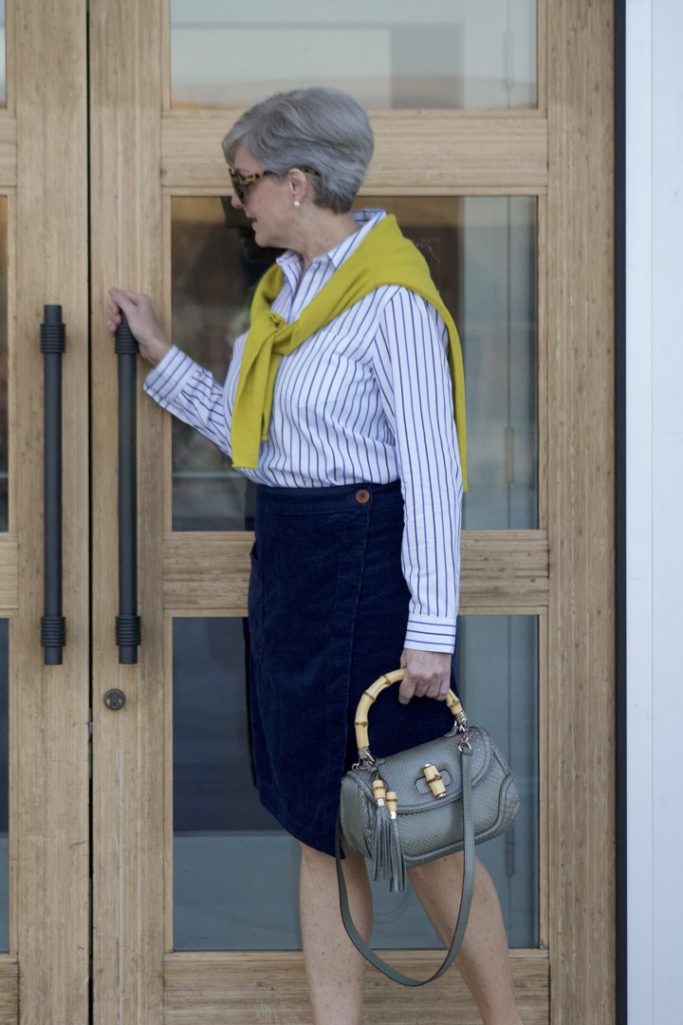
(176, 382)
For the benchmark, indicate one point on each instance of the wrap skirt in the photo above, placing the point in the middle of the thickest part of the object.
(328, 609)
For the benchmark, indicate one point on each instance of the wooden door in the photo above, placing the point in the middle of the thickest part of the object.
(127, 202)
(155, 161)
(44, 937)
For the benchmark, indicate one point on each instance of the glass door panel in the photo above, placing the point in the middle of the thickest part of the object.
(236, 871)
(482, 252)
(4, 786)
(3, 57)
(4, 368)
(442, 54)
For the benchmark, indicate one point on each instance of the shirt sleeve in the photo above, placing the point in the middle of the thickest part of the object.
(415, 385)
(193, 395)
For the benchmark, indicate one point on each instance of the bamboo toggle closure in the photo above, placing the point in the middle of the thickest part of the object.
(434, 779)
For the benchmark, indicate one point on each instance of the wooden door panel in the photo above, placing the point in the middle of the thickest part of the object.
(143, 154)
(224, 989)
(128, 749)
(9, 990)
(43, 174)
(211, 571)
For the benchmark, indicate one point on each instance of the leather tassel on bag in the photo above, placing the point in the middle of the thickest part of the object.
(387, 854)
(381, 840)
(382, 844)
(396, 862)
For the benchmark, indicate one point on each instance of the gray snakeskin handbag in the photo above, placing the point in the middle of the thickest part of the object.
(421, 804)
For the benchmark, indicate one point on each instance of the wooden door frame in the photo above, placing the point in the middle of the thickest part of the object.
(581, 468)
(561, 152)
(43, 172)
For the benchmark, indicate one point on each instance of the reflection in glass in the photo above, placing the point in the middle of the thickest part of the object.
(3, 364)
(3, 57)
(444, 54)
(236, 871)
(214, 273)
(482, 254)
(4, 786)
(498, 686)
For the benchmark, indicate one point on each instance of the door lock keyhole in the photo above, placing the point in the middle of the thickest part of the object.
(114, 699)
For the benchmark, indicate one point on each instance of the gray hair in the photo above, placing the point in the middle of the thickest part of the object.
(323, 130)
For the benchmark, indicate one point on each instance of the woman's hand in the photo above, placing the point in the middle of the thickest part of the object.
(428, 674)
(138, 310)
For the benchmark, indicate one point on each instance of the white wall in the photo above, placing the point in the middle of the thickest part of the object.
(654, 225)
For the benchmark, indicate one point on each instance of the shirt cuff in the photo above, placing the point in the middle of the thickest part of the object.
(430, 633)
(169, 376)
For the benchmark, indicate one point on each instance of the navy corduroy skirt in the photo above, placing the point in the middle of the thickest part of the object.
(328, 608)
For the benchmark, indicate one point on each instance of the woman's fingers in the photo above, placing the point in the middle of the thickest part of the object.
(141, 319)
(113, 314)
(137, 308)
(427, 674)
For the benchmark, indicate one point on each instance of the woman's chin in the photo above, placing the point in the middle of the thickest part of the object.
(265, 241)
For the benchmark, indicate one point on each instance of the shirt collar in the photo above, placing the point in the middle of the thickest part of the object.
(366, 219)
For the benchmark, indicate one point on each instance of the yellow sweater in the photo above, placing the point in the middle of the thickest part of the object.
(385, 257)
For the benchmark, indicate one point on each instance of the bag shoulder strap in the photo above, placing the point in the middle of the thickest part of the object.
(465, 895)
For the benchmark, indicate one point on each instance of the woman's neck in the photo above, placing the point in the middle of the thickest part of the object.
(320, 231)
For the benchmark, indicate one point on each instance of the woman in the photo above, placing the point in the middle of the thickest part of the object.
(339, 405)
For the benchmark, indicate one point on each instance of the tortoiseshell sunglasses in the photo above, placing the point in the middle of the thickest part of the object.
(241, 182)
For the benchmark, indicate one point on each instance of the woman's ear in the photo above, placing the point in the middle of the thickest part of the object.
(298, 185)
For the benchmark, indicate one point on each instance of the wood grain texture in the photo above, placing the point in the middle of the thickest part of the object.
(8, 151)
(9, 990)
(544, 291)
(208, 573)
(9, 567)
(128, 748)
(270, 988)
(506, 570)
(456, 151)
(581, 513)
(49, 705)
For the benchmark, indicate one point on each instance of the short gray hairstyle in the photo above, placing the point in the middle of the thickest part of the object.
(322, 129)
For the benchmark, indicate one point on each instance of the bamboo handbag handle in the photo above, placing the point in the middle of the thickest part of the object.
(369, 696)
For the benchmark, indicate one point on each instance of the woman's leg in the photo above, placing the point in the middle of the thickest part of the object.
(484, 960)
(334, 968)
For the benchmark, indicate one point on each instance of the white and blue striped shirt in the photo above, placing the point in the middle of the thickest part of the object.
(366, 398)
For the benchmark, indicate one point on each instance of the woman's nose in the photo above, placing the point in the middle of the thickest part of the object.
(235, 201)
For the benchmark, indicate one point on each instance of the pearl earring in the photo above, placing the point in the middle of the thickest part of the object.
(297, 203)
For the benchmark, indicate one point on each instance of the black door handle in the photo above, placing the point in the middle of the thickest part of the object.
(128, 627)
(52, 346)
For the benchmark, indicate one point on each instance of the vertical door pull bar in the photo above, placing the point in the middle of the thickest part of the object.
(52, 345)
(128, 620)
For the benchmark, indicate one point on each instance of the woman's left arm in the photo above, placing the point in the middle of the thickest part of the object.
(415, 383)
